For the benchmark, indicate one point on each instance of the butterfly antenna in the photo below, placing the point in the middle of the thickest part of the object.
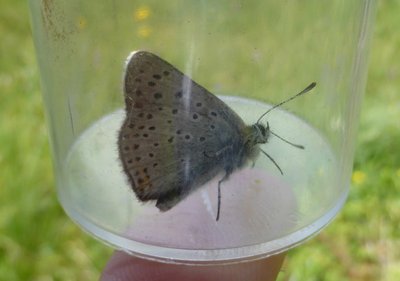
(288, 142)
(307, 89)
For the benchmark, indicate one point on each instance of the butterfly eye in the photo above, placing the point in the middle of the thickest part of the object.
(263, 130)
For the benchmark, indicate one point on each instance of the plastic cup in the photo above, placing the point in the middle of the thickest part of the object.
(252, 54)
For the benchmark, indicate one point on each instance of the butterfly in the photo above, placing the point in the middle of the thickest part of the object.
(177, 136)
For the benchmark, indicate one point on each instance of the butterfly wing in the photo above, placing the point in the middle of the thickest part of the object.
(174, 129)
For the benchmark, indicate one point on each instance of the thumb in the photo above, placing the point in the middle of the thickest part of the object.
(123, 267)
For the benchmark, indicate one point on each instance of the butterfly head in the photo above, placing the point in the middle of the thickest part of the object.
(260, 133)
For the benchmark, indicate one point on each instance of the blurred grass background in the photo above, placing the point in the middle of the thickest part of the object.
(39, 242)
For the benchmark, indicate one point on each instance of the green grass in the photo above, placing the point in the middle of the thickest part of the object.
(39, 242)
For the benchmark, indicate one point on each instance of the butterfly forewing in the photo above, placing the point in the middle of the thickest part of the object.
(173, 131)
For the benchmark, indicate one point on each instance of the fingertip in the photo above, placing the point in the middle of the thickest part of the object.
(123, 267)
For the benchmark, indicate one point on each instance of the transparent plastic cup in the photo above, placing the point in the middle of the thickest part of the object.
(252, 55)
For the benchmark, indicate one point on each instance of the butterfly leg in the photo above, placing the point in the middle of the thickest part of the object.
(228, 171)
(219, 196)
(129, 108)
(272, 160)
(217, 153)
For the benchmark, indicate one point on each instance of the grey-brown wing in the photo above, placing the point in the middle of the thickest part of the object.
(172, 129)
